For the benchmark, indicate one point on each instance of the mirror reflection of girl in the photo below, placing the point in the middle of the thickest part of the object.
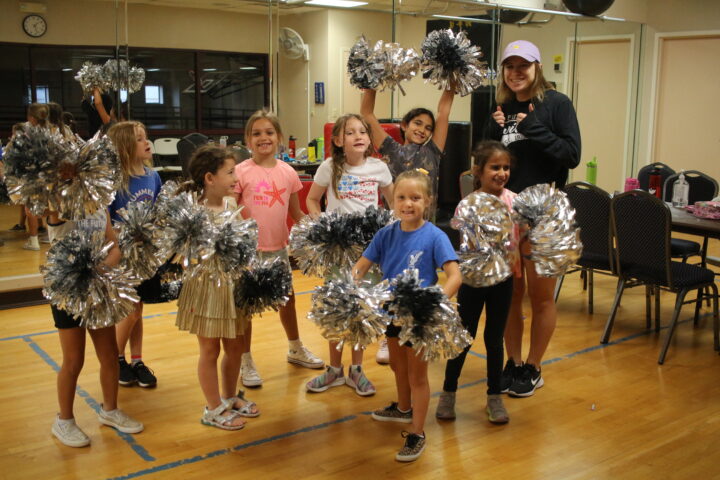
(268, 189)
(410, 242)
(424, 139)
(133, 147)
(352, 180)
(206, 306)
(17, 129)
(539, 127)
(37, 116)
(491, 172)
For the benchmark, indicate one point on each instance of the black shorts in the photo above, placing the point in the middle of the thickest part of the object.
(150, 290)
(63, 319)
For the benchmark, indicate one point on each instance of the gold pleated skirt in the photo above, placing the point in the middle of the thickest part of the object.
(206, 307)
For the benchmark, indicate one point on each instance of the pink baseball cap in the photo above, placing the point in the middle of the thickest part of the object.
(523, 49)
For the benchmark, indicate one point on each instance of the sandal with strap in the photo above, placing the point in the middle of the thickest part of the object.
(246, 410)
(218, 418)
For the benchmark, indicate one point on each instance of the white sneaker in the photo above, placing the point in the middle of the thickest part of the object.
(305, 358)
(69, 433)
(32, 245)
(120, 421)
(383, 355)
(248, 373)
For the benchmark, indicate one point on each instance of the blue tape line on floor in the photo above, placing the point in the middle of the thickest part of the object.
(94, 404)
(225, 451)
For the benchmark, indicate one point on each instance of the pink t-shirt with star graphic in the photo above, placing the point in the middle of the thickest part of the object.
(265, 194)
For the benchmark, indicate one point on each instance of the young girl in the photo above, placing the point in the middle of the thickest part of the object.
(130, 140)
(491, 172)
(207, 308)
(72, 341)
(57, 122)
(352, 179)
(268, 188)
(540, 128)
(37, 116)
(393, 248)
(423, 148)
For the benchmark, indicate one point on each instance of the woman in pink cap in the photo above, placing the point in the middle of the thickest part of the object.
(539, 127)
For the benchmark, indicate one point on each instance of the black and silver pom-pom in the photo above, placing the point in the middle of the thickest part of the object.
(235, 243)
(554, 236)
(264, 286)
(449, 60)
(76, 280)
(188, 232)
(91, 76)
(89, 180)
(359, 68)
(348, 312)
(427, 318)
(136, 239)
(486, 229)
(116, 73)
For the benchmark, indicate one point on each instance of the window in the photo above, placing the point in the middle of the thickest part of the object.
(153, 94)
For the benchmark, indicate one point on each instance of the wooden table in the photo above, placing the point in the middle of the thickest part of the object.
(685, 222)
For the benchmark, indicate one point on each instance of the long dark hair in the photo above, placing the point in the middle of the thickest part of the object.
(206, 159)
(483, 152)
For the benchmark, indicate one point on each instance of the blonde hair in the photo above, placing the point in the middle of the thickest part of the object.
(503, 94)
(338, 153)
(122, 135)
(39, 112)
(420, 176)
(259, 115)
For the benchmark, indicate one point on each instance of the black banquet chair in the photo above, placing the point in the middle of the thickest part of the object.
(702, 186)
(592, 213)
(641, 228)
(187, 146)
(644, 174)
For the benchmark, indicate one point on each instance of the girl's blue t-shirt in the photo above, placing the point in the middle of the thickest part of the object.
(140, 188)
(427, 249)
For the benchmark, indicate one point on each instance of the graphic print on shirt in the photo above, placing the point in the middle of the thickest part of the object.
(361, 188)
(143, 195)
(510, 133)
(267, 195)
(414, 257)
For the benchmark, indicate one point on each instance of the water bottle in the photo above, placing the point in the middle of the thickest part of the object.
(291, 146)
(320, 149)
(223, 141)
(655, 183)
(681, 190)
(591, 171)
(631, 184)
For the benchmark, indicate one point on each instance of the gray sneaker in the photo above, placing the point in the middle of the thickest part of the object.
(69, 433)
(120, 421)
(392, 413)
(496, 410)
(414, 446)
(446, 406)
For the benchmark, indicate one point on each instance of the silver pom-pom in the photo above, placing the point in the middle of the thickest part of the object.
(348, 312)
(554, 236)
(91, 76)
(428, 320)
(188, 232)
(234, 245)
(115, 72)
(486, 228)
(168, 190)
(362, 75)
(136, 239)
(136, 78)
(335, 239)
(77, 281)
(266, 285)
(398, 64)
(88, 181)
(451, 61)
(31, 163)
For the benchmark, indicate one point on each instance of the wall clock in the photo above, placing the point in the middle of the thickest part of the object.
(34, 25)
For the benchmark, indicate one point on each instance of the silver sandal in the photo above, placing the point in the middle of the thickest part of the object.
(215, 417)
(246, 410)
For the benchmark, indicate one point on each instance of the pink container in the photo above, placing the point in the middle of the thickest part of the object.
(631, 184)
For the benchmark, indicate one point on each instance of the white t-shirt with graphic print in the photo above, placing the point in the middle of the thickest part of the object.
(358, 187)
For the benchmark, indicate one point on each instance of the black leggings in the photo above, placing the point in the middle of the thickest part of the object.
(471, 301)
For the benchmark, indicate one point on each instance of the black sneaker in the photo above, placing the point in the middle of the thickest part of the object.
(42, 229)
(144, 375)
(414, 446)
(508, 375)
(525, 384)
(127, 375)
(17, 228)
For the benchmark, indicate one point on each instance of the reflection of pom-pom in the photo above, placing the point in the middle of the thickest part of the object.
(451, 61)
(349, 313)
(136, 78)
(265, 285)
(427, 318)
(31, 167)
(115, 72)
(486, 227)
(91, 76)
(90, 179)
(136, 239)
(554, 237)
(188, 231)
(78, 282)
(334, 239)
